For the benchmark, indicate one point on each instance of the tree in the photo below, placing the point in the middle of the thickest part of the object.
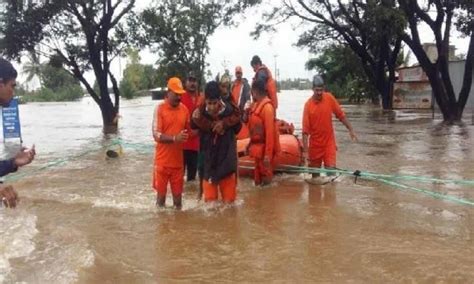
(371, 28)
(55, 78)
(295, 84)
(83, 34)
(33, 68)
(438, 71)
(57, 85)
(179, 31)
(136, 76)
(343, 72)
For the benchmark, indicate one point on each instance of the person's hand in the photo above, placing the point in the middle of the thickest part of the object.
(353, 136)
(247, 105)
(218, 127)
(196, 114)
(25, 156)
(182, 136)
(8, 196)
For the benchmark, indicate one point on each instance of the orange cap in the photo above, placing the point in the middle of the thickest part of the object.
(175, 85)
(238, 69)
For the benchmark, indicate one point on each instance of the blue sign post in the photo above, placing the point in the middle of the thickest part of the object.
(11, 121)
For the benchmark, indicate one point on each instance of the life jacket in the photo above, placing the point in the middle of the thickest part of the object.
(256, 125)
(270, 86)
(285, 127)
(257, 132)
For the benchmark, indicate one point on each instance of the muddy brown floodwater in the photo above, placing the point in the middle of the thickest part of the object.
(86, 219)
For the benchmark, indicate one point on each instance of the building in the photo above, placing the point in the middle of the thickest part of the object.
(413, 89)
(432, 52)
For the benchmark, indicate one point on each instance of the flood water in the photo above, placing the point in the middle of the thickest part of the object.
(87, 219)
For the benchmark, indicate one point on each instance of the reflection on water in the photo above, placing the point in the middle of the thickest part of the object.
(91, 219)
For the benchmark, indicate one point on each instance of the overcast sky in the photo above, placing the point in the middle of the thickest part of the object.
(234, 46)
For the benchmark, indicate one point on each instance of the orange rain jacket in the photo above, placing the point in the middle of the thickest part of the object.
(317, 123)
(264, 137)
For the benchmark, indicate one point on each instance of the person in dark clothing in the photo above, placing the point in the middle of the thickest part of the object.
(218, 122)
(240, 90)
(8, 195)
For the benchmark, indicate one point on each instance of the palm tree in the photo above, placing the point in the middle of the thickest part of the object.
(33, 67)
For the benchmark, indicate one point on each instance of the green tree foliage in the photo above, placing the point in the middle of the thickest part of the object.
(179, 32)
(371, 28)
(33, 67)
(136, 76)
(294, 84)
(127, 89)
(465, 16)
(86, 35)
(57, 85)
(62, 94)
(55, 78)
(343, 73)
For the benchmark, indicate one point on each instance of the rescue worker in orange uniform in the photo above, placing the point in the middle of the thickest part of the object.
(318, 128)
(264, 75)
(170, 131)
(219, 145)
(240, 92)
(264, 137)
(191, 99)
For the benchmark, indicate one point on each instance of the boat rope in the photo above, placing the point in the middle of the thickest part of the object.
(383, 178)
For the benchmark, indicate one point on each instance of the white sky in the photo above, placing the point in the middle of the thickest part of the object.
(234, 46)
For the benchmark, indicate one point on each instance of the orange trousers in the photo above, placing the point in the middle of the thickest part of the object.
(319, 155)
(164, 175)
(227, 187)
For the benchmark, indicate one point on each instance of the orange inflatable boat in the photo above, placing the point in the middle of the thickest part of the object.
(290, 154)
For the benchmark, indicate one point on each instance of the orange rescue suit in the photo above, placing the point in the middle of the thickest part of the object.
(270, 86)
(317, 123)
(168, 164)
(264, 138)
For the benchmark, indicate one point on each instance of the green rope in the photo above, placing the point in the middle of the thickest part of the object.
(434, 194)
(291, 168)
(140, 147)
(52, 164)
(300, 169)
(397, 185)
(385, 176)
